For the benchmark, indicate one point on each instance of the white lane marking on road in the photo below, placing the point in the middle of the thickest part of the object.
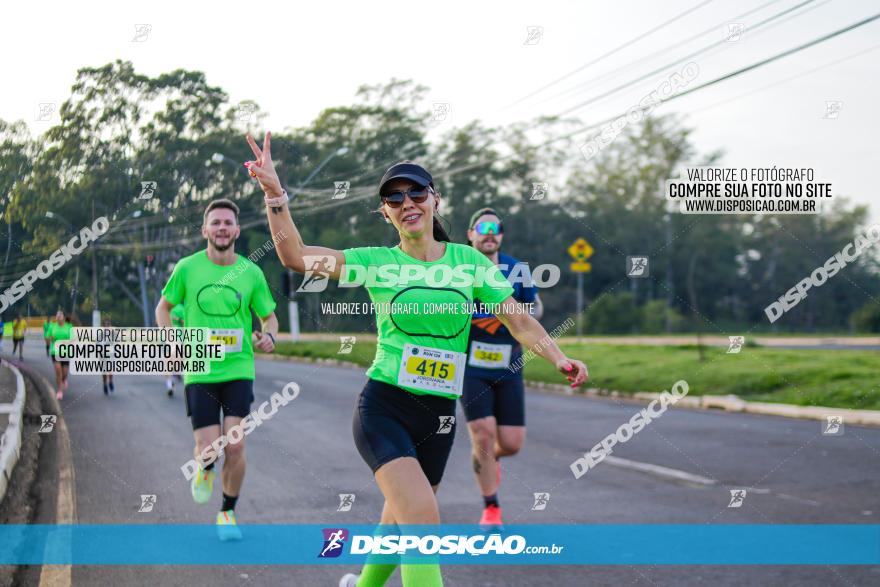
(691, 478)
(798, 499)
(65, 505)
(658, 470)
(758, 490)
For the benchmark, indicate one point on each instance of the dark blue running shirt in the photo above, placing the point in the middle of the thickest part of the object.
(487, 328)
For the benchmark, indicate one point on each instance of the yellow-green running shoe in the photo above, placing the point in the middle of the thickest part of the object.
(203, 485)
(227, 528)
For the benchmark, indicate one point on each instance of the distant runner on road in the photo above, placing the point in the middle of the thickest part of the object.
(107, 378)
(19, 329)
(61, 329)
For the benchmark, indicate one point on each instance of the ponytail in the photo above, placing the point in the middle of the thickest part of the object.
(440, 234)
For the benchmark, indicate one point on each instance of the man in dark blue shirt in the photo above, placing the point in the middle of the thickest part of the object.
(494, 395)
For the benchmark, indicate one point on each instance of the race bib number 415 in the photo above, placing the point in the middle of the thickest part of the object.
(431, 370)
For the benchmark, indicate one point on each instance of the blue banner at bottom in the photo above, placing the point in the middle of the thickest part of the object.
(301, 544)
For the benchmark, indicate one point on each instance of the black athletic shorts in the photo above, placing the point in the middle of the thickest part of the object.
(390, 423)
(205, 400)
(502, 398)
(63, 363)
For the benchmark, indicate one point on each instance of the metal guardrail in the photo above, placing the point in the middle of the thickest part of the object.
(10, 442)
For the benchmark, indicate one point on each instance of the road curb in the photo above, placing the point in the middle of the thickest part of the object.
(726, 403)
(10, 442)
(65, 502)
(733, 403)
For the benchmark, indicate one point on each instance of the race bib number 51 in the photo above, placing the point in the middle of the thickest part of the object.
(431, 370)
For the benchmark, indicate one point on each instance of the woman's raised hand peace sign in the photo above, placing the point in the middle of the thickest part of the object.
(262, 169)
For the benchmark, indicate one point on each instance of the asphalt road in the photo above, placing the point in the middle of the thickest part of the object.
(134, 443)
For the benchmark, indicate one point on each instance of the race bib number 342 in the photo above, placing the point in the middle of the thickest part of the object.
(431, 370)
(489, 356)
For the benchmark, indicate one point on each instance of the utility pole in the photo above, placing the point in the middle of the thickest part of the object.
(143, 281)
(73, 293)
(142, 275)
(9, 239)
(96, 312)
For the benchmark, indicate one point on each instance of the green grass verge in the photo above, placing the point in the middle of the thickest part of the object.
(845, 379)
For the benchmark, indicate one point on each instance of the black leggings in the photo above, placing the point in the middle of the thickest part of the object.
(390, 423)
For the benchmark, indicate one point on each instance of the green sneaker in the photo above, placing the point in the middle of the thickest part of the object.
(203, 485)
(227, 528)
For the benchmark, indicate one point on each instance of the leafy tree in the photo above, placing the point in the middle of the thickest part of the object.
(120, 128)
(866, 318)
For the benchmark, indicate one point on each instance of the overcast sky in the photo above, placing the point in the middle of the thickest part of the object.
(295, 59)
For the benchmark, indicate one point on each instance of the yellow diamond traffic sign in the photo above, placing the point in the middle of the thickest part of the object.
(580, 267)
(580, 250)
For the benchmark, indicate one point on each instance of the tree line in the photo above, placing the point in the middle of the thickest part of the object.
(148, 153)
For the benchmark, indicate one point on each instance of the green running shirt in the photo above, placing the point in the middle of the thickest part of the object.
(59, 332)
(418, 323)
(178, 315)
(221, 297)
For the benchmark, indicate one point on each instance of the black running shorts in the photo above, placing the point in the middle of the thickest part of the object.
(390, 423)
(502, 398)
(205, 400)
(63, 363)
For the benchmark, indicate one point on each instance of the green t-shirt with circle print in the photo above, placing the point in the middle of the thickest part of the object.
(58, 332)
(427, 314)
(220, 297)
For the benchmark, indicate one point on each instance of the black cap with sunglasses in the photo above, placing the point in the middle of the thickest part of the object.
(410, 172)
(422, 179)
(405, 170)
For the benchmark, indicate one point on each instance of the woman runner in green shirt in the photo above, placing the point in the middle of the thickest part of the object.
(61, 329)
(404, 422)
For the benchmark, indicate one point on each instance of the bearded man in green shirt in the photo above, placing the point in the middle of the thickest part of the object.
(211, 300)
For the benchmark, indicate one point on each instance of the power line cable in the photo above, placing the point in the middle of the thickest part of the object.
(626, 67)
(677, 61)
(735, 73)
(613, 51)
